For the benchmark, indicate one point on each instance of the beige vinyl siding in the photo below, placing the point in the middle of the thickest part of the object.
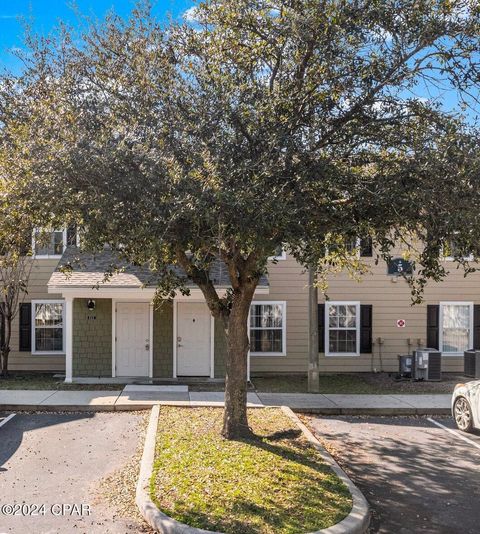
(37, 289)
(392, 301)
(288, 282)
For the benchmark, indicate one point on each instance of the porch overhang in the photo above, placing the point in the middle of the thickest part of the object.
(86, 278)
(131, 293)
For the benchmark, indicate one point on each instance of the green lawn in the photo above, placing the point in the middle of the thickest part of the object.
(366, 383)
(18, 380)
(275, 483)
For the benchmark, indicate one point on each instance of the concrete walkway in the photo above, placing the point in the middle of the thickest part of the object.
(143, 397)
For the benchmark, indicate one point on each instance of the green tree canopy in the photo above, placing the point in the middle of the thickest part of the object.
(255, 126)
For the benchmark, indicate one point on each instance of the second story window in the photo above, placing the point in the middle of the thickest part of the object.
(49, 244)
(280, 254)
(52, 243)
(362, 246)
(452, 251)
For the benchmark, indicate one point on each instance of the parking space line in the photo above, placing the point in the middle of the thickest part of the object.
(456, 434)
(7, 419)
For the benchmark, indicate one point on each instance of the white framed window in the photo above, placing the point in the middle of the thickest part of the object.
(451, 251)
(342, 328)
(48, 320)
(268, 328)
(360, 247)
(280, 254)
(49, 244)
(456, 327)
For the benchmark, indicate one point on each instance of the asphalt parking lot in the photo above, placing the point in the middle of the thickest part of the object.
(417, 476)
(51, 465)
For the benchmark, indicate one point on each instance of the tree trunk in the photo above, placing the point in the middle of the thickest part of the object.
(235, 421)
(5, 348)
(4, 364)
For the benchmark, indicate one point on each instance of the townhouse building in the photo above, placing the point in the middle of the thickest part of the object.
(86, 327)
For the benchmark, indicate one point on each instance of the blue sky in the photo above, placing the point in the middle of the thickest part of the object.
(46, 13)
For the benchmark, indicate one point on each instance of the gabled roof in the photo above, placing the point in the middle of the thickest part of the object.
(88, 270)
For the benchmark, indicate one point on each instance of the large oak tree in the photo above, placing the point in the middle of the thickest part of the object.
(255, 125)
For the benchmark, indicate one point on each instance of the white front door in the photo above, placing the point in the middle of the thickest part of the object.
(132, 339)
(193, 339)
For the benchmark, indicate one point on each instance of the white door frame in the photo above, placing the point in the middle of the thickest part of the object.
(114, 333)
(175, 335)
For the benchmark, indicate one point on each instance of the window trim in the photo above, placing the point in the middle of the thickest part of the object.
(452, 258)
(468, 257)
(440, 325)
(357, 249)
(329, 303)
(49, 352)
(357, 252)
(359, 246)
(49, 256)
(282, 303)
(280, 257)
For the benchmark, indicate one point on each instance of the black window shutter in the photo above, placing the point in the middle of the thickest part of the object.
(366, 247)
(366, 324)
(321, 328)
(25, 327)
(433, 319)
(476, 326)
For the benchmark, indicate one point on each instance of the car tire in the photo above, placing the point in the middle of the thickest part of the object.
(462, 413)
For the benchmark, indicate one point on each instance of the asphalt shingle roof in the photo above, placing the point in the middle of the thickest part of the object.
(88, 270)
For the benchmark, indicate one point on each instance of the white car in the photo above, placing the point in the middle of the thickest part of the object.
(466, 405)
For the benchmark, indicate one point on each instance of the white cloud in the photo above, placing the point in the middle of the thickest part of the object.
(191, 14)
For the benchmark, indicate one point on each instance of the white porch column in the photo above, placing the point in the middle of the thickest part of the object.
(150, 344)
(248, 364)
(68, 328)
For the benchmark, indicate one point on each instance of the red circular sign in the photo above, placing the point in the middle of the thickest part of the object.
(401, 323)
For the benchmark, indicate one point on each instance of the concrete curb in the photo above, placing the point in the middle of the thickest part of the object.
(140, 406)
(373, 411)
(355, 523)
(53, 408)
(358, 520)
(159, 521)
(61, 408)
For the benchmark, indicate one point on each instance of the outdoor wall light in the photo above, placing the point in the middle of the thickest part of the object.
(91, 304)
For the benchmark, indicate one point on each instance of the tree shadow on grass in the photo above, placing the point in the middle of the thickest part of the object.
(283, 434)
(305, 506)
